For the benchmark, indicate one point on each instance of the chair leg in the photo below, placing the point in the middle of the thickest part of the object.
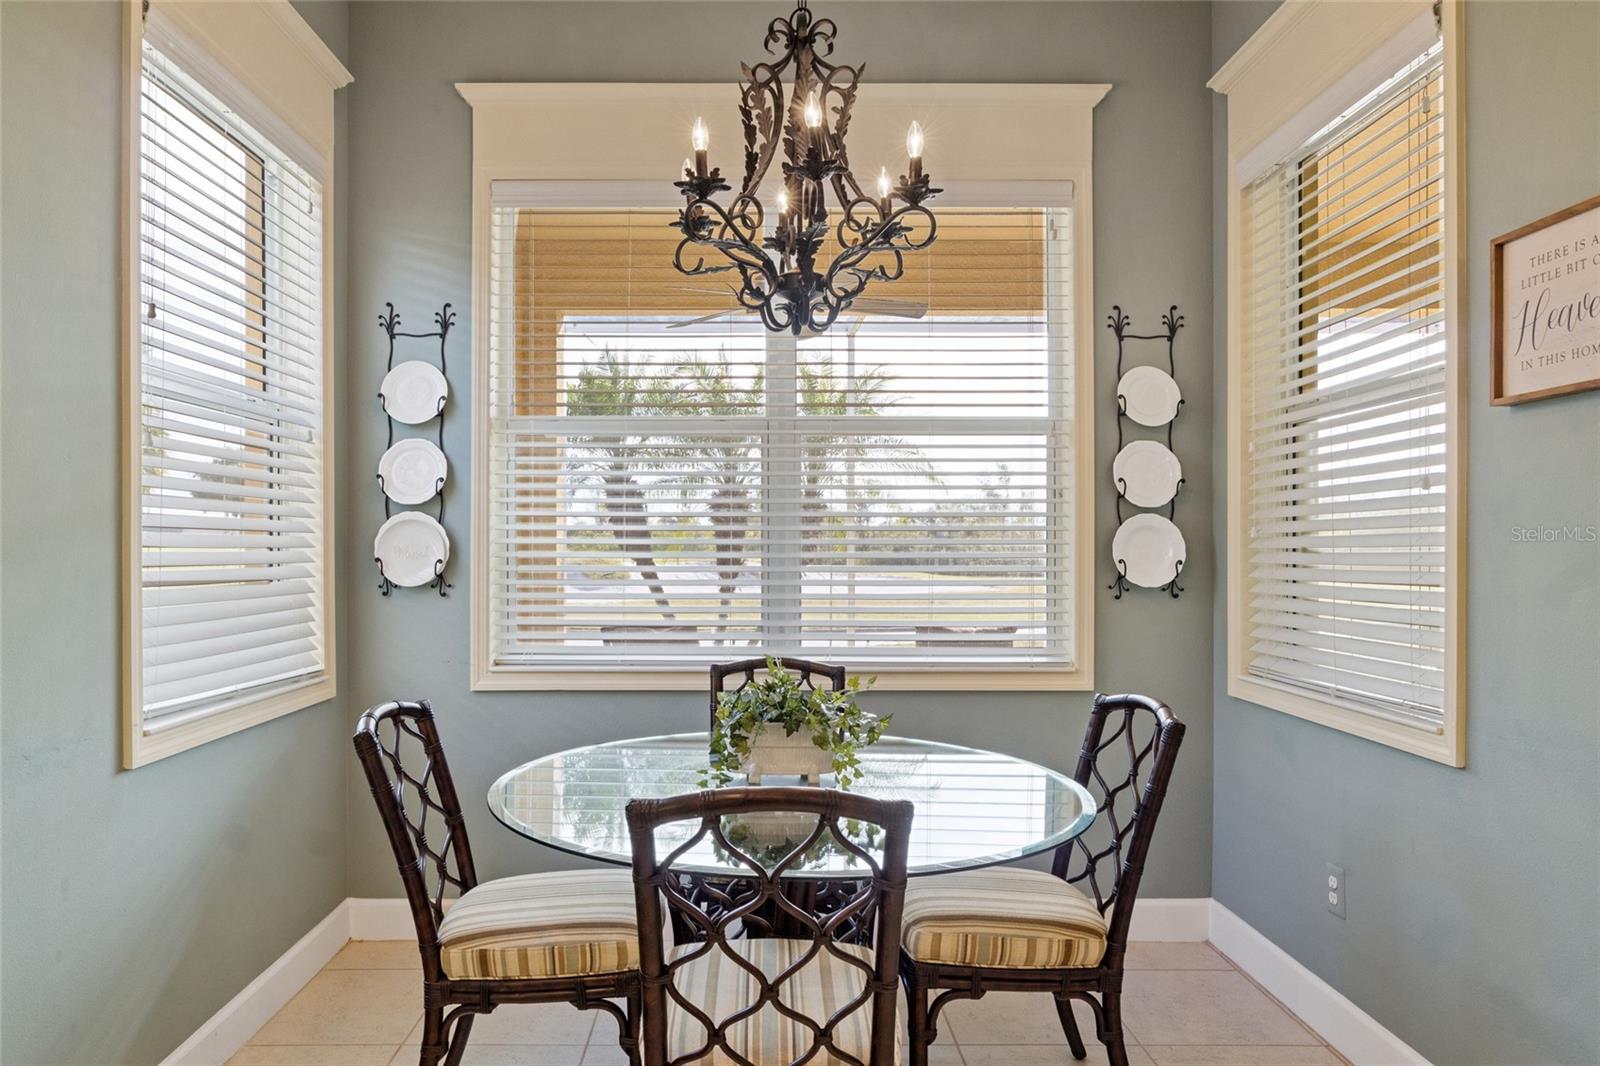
(433, 1047)
(918, 1030)
(458, 1040)
(1111, 1034)
(629, 1036)
(1069, 1025)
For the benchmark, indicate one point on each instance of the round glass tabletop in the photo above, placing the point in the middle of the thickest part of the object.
(973, 808)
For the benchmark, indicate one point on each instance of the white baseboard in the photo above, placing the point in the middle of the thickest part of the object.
(1351, 1031)
(381, 919)
(1170, 919)
(226, 1031)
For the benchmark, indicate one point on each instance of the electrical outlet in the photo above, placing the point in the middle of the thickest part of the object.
(1336, 889)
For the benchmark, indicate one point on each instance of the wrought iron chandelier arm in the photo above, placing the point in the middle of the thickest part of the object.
(866, 232)
(734, 231)
(878, 230)
(745, 216)
(699, 268)
(757, 288)
(739, 257)
(849, 274)
(778, 316)
(821, 312)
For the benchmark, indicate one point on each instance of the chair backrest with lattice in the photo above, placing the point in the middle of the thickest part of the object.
(745, 670)
(1129, 749)
(398, 744)
(770, 975)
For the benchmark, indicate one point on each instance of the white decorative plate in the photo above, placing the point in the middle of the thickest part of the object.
(1150, 395)
(1147, 473)
(413, 392)
(413, 471)
(1150, 547)
(409, 545)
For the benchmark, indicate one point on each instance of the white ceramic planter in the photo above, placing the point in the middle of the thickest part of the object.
(771, 752)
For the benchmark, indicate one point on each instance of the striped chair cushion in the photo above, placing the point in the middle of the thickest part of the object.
(542, 925)
(720, 987)
(1002, 917)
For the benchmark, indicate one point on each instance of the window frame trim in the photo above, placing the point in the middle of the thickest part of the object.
(541, 132)
(1288, 41)
(280, 39)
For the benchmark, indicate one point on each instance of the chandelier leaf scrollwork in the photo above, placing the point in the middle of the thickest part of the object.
(784, 274)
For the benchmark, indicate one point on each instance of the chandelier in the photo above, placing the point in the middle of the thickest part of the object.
(780, 278)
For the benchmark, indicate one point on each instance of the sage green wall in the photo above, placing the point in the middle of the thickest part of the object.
(411, 244)
(136, 902)
(1473, 894)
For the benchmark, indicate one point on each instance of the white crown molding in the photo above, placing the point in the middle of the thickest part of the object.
(261, 59)
(1268, 34)
(978, 94)
(1303, 63)
(299, 31)
(587, 131)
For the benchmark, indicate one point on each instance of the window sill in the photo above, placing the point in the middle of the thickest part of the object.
(1446, 747)
(896, 679)
(141, 749)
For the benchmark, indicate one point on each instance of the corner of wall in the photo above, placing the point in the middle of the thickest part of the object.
(332, 20)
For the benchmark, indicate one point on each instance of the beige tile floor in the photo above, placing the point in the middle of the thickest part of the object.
(1184, 1005)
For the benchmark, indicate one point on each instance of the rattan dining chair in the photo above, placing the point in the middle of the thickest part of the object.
(816, 995)
(810, 673)
(568, 937)
(1065, 932)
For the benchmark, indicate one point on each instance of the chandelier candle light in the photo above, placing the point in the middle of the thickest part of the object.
(780, 278)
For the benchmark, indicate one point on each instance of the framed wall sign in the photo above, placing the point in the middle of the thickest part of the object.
(1544, 287)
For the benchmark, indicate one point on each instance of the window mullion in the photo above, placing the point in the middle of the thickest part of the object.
(782, 488)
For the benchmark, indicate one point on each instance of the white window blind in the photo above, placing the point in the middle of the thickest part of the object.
(668, 491)
(231, 408)
(1344, 405)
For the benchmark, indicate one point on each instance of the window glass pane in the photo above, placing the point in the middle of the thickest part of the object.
(670, 481)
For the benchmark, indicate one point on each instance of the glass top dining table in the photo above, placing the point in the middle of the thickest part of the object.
(973, 808)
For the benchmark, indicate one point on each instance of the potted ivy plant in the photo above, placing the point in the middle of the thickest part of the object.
(776, 725)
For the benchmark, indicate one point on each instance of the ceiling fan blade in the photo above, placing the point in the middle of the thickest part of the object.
(712, 317)
(875, 305)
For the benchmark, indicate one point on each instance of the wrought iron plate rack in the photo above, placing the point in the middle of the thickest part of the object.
(390, 323)
(1119, 322)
